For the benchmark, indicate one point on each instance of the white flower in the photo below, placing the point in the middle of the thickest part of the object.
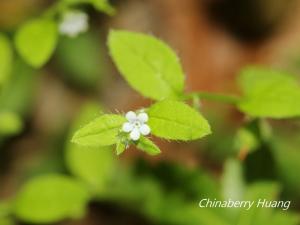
(73, 23)
(136, 125)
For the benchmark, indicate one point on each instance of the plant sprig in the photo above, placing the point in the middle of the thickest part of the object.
(153, 69)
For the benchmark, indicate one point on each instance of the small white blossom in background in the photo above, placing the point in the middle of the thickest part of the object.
(73, 23)
(136, 125)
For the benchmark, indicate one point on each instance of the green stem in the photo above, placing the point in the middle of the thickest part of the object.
(217, 97)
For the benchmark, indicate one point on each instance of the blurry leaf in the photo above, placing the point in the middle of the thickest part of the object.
(36, 40)
(50, 198)
(269, 93)
(17, 94)
(6, 221)
(287, 157)
(149, 65)
(147, 196)
(283, 218)
(265, 130)
(233, 185)
(6, 56)
(258, 215)
(261, 216)
(102, 131)
(245, 140)
(190, 183)
(5, 211)
(10, 123)
(81, 59)
(120, 147)
(148, 146)
(5, 208)
(175, 120)
(190, 214)
(94, 165)
(104, 6)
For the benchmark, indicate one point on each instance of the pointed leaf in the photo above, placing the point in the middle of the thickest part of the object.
(36, 40)
(176, 120)
(148, 146)
(102, 131)
(120, 148)
(93, 165)
(149, 65)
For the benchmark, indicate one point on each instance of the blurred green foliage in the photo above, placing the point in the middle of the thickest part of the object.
(50, 198)
(269, 93)
(81, 60)
(36, 40)
(18, 94)
(72, 176)
(6, 56)
(10, 123)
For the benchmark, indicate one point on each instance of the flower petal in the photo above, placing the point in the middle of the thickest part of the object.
(135, 134)
(143, 117)
(127, 127)
(131, 116)
(145, 129)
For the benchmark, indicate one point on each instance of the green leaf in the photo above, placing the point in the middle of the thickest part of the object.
(10, 123)
(5, 208)
(269, 93)
(102, 131)
(93, 165)
(104, 6)
(283, 218)
(149, 65)
(245, 140)
(18, 93)
(50, 198)
(285, 149)
(233, 184)
(5, 213)
(81, 60)
(259, 215)
(120, 147)
(6, 57)
(175, 120)
(101, 5)
(36, 40)
(148, 146)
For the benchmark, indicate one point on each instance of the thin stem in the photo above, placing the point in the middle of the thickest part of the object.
(217, 97)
